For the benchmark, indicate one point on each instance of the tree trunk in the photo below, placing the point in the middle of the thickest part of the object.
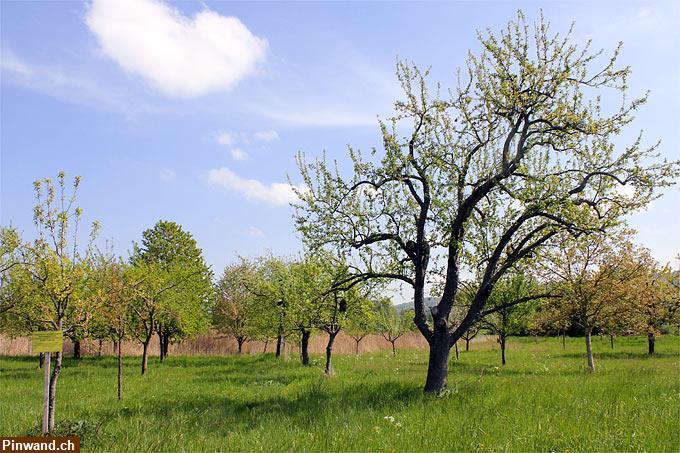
(611, 341)
(42, 360)
(99, 350)
(356, 349)
(501, 338)
(160, 346)
(166, 344)
(467, 344)
(115, 347)
(76, 349)
(145, 356)
(120, 370)
(304, 346)
(266, 342)
(651, 339)
(564, 340)
(239, 341)
(394, 347)
(280, 344)
(438, 364)
(329, 354)
(456, 346)
(589, 351)
(53, 390)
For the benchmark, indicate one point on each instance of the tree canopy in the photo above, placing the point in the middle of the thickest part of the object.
(520, 151)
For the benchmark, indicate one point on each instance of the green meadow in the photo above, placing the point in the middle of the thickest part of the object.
(543, 399)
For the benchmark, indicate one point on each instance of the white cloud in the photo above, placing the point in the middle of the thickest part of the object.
(167, 175)
(252, 189)
(179, 56)
(238, 154)
(266, 136)
(225, 139)
(255, 232)
(72, 86)
(10, 62)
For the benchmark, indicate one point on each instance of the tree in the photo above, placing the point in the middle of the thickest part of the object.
(183, 312)
(522, 142)
(657, 301)
(114, 294)
(53, 274)
(155, 287)
(360, 324)
(341, 307)
(236, 312)
(10, 243)
(596, 277)
(305, 289)
(511, 319)
(392, 324)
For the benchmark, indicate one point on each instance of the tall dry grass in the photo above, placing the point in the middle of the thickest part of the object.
(217, 345)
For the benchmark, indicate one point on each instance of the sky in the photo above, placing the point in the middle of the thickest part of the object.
(193, 111)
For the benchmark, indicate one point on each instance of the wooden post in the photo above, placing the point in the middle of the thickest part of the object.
(46, 395)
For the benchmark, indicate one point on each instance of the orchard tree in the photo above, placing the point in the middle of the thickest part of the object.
(271, 292)
(392, 324)
(236, 311)
(341, 307)
(658, 301)
(305, 288)
(113, 290)
(511, 319)
(183, 312)
(596, 277)
(10, 259)
(522, 142)
(155, 288)
(53, 274)
(361, 324)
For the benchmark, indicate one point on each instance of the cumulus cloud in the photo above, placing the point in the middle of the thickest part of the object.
(266, 136)
(179, 56)
(238, 154)
(252, 189)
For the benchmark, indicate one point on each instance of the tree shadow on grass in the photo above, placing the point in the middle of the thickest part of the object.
(487, 370)
(306, 407)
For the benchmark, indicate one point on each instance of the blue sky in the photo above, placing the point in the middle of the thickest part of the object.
(193, 111)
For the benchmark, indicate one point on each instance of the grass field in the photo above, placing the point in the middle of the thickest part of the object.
(544, 399)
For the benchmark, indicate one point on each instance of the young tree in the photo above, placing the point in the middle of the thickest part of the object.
(657, 301)
(511, 319)
(154, 286)
(271, 292)
(306, 287)
(360, 324)
(53, 270)
(113, 293)
(183, 312)
(236, 311)
(10, 243)
(392, 324)
(340, 308)
(596, 278)
(522, 142)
